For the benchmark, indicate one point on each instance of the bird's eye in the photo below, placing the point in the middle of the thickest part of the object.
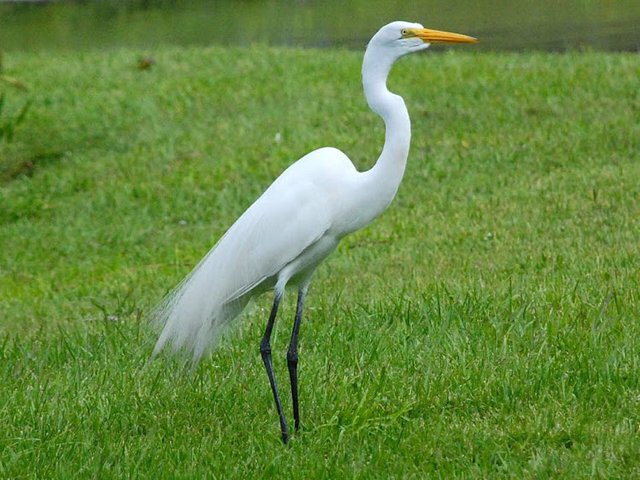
(403, 32)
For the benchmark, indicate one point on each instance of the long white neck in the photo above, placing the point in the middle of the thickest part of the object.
(385, 176)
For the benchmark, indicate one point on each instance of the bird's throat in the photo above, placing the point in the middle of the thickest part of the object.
(387, 173)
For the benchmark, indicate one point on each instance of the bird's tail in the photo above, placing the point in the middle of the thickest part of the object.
(193, 316)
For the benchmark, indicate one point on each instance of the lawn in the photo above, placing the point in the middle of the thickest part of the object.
(487, 325)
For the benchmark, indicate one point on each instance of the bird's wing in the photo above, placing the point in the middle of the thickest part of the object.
(291, 215)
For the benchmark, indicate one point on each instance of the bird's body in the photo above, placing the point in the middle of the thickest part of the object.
(307, 218)
(298, 221)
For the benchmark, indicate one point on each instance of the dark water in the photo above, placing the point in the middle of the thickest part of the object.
(500, 24)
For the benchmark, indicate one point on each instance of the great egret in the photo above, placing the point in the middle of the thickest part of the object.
(299, 220)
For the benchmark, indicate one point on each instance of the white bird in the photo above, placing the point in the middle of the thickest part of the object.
(298, 221)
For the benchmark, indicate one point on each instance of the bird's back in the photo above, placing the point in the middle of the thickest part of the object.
(296, 211)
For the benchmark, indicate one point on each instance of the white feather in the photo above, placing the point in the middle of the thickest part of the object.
(270, 245)
(302, 216)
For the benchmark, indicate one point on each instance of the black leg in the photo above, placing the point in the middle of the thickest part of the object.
(292, 357)
(265, 351)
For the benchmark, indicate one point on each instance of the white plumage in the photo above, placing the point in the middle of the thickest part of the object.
(277, 241)
(298, 221)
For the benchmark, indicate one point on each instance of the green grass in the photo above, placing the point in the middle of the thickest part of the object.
(486, 326)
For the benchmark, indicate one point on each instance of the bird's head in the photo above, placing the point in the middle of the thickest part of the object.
(402, 38)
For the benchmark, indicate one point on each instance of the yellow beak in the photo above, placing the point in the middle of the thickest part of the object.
(437, 36)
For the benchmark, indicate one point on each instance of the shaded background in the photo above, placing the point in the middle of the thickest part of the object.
(501, 24)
